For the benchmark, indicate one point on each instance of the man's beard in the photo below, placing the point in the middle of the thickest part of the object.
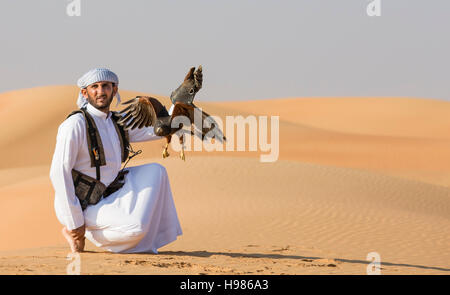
(103, 107)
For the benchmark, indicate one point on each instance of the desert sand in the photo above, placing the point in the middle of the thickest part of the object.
(354, 176)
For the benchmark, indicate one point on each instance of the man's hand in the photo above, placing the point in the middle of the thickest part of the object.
(75, 238)
(78, 233)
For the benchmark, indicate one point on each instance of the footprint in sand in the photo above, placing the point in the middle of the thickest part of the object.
(174, 264)
(135, 262)
(161, 264)
(282, 249)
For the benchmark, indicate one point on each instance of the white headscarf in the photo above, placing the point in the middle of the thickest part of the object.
(94, 76)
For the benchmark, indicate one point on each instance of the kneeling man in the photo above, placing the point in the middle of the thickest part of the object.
(134, 210)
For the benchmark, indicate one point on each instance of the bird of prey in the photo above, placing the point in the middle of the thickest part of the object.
(144, 111)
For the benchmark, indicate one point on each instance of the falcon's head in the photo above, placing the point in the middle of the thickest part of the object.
(191, 85)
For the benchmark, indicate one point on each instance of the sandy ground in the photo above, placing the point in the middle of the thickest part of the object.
(354, 176)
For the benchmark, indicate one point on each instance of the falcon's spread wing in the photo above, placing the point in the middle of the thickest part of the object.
(141, 112)
(183, 109)
(218, 134)
(189, 110)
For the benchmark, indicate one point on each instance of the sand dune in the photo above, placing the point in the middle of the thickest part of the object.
(389, 116)
(338, 191)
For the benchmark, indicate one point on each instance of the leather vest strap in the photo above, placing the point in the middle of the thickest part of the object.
(123, 136)
(94, 141)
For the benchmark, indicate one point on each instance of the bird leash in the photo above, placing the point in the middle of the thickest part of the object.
(134, 154)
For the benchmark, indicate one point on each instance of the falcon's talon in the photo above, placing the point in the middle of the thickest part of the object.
(165, 153)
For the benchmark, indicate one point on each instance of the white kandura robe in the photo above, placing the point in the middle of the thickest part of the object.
(140, 217)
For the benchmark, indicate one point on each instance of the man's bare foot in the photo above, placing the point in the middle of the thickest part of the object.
(76, 244)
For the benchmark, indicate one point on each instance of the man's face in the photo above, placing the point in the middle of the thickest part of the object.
(100, 94)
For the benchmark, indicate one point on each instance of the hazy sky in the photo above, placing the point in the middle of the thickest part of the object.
(248, 49)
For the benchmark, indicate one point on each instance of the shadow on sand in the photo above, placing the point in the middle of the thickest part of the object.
(280, 256)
